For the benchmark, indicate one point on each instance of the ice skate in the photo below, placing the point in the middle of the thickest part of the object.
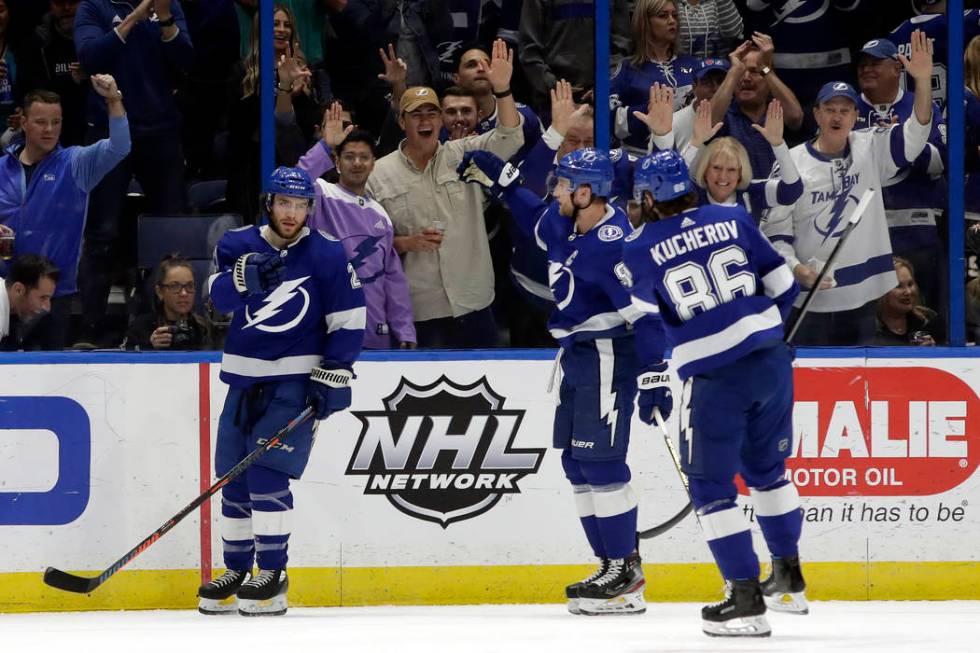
(741, 614)
(617, 591)
(571, 591)
(783, 590)
(264, 594)
(218, 596)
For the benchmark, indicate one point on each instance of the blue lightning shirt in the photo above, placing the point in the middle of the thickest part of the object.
(719, 287)
(315, 316)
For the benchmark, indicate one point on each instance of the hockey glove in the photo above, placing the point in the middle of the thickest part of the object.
(654, 386)
(329, 390)
(488, 170)
(258, 273)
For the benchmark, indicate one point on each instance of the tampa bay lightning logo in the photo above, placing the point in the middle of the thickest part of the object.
(788, 11)
(278, 301)
(363, 251)
(836, 223)
(609, 233)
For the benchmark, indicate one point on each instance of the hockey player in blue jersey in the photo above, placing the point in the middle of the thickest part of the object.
(722, 293)
(297, 328)
(583, 236)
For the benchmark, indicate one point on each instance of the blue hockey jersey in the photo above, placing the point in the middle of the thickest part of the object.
(719, 287)
(934, 25)
(316, 315)
(629, 91)
(583, 274)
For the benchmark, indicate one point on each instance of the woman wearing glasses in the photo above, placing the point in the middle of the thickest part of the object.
(172, 325)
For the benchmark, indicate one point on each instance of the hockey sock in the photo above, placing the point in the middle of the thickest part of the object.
(238, 544)
(727, 531)
(586, 514)
(584, 504)
(615, 504)
(272, 509)
(777, 507)
(615, 509)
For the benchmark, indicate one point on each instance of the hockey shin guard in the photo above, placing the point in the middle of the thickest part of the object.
(777, 508)
(237, 540)
(272, 509)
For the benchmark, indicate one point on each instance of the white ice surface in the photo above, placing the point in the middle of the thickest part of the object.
(892, 627)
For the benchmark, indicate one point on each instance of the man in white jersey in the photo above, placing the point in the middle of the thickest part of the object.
(837, 167)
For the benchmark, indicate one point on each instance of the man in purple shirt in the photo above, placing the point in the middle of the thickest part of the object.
(363, 228)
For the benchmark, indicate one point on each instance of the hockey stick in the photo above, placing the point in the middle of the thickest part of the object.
(686, 510)
(851, 223)
(70, 583)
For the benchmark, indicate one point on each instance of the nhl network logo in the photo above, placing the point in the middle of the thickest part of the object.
(442, 452)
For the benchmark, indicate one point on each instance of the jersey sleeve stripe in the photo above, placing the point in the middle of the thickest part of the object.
(600, 322)
(645, 306)
(778, 281)
(258, 367)
(727, 338)
(354, 318)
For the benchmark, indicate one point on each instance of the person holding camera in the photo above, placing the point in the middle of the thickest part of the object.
(172, 325)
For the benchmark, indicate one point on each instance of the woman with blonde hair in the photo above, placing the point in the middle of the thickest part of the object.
(654, 61)
(722, 172)
(901, 317)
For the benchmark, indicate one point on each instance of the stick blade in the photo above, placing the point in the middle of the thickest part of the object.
(69, 582)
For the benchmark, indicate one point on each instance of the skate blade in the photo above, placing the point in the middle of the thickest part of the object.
(739, 627)
(218, 606)
(265, 608)
(573, 606)
(788, 603)
(631, 603)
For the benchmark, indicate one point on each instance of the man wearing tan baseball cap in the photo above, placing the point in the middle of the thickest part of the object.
(416, 97)
(438, 219)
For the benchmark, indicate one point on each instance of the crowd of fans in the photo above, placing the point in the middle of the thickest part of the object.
(112, 108)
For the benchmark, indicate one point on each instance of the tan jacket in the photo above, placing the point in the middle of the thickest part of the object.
(457, 278)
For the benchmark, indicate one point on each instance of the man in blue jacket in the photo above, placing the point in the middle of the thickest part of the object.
(146, 46)
(44, 190)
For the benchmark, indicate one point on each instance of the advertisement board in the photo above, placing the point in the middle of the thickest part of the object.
(440, 484)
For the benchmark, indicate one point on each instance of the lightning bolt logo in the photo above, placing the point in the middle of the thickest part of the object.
(791, 6)
(836, 215)
(364, 249)
(274, 303)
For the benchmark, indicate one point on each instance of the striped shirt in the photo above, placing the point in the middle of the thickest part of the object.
(708, 28)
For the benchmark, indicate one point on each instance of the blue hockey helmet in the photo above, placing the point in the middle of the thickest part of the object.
(662, 173)
(294, 182)
(590, 167)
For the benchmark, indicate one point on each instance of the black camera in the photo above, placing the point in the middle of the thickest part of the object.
(182, 335)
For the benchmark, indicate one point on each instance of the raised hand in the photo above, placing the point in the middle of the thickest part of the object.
(396, 70)
(703, 129)
(737, 57)
(773, 130)
(562, 106)
(293, 74)
(333, 130)
(143, 10)
(501, 66)
(105, 85)
(766, 48)
(919, 65)
(659, 117)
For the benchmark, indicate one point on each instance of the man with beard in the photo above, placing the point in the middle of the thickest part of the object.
(25, 297)
(460, 113)
(283, 284)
